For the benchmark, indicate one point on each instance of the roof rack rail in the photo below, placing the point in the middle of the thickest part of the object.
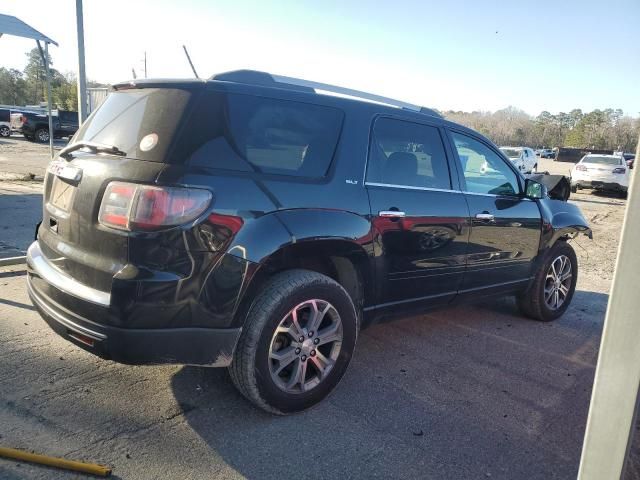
(254, 77)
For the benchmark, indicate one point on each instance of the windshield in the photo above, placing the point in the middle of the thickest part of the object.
(511, 152)
(139, 122)
(601, 160)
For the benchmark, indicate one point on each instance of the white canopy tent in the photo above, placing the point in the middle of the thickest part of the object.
(14, 26)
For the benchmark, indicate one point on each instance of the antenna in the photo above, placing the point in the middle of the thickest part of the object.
(190, 62)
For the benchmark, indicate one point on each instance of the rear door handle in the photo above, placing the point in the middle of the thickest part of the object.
(391, 213)
(485, 216)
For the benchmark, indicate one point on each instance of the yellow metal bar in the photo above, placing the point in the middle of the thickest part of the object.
(91, 468)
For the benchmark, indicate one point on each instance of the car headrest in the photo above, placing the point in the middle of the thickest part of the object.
(401, 168)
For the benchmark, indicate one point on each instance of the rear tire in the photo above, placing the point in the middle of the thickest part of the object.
(5, 131)
(42, 135)
(283, 362)
(552, 289)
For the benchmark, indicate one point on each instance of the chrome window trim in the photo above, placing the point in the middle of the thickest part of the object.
(62, 281)
(408, 187)
(428, 189)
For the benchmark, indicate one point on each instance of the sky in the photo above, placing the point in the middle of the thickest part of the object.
(553, 55)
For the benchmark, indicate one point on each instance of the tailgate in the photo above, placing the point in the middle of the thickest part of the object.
(70, 236)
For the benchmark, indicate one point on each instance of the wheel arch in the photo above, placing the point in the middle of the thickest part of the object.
(561, 221)
(333, 243)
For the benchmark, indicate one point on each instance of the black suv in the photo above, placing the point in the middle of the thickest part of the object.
(250, 222)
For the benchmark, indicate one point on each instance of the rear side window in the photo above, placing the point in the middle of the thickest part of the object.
(263, 135)
(140, 122)
(67, 116)
(407, 154)
(4, 115)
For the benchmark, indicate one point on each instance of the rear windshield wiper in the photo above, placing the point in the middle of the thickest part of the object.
(93, 146)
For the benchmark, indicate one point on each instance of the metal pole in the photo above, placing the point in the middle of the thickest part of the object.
(46, 66)
(82, 76)
(145, 64)
(617, 377)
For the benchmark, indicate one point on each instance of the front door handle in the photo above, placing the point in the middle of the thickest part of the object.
(391, 213)
(485, 216)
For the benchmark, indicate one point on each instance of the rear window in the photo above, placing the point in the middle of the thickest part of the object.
(68, 116)
(140, 122)
(602, 160)
(245, 133)
(511, 152)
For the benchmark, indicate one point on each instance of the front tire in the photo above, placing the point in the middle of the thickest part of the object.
(296, 344)
(551, 292)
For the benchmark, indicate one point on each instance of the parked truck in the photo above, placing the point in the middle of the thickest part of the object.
(35, 126)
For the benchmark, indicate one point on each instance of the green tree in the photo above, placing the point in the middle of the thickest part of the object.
(35, 76)
(13, 88)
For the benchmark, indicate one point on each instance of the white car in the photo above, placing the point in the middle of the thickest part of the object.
(523, 158)
(5, 126)
(601, 172)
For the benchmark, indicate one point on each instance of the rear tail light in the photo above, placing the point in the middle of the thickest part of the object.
(581, 168)
(620, 170)
(132, 207)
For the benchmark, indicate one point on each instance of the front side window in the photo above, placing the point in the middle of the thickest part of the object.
(407, 154)
(484, 171)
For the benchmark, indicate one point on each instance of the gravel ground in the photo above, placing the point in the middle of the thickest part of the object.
(20, 158)
(466, 392)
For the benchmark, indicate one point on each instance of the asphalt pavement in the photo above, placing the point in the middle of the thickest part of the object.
(469, 392)
(461, 393)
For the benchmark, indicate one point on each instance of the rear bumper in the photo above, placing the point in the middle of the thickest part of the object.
(598, 184)
(212, 347)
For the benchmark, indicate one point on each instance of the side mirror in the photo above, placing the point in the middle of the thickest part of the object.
(534, 190)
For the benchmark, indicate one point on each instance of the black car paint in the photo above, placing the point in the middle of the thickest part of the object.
(197, 281)
(65, 124)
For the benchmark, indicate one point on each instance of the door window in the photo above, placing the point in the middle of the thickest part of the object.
(407, 154)
(484, 170)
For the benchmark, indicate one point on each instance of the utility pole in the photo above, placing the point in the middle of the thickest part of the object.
(82, 76)
(145, 64)
(46, 67)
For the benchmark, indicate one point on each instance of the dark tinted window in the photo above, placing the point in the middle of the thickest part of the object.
(129, 116)
(405, 153)
(265, 135)
(68, 116)
(4, 115)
